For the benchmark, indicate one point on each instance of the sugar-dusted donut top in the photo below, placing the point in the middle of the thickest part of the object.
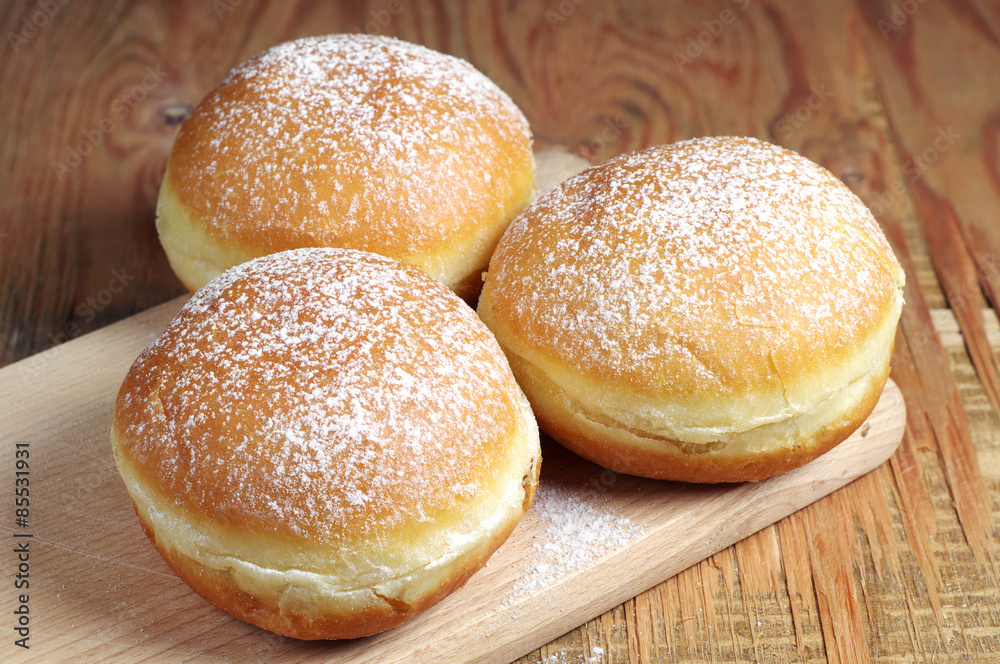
(709, 266)
(320, 393)
(350, 140)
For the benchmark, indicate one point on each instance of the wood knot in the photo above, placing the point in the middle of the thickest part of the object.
(174, 114)
(852, 177)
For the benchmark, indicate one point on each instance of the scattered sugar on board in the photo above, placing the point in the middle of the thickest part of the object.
(576, 528)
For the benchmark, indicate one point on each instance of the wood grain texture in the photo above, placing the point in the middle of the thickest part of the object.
(539, 584)
(899, 567)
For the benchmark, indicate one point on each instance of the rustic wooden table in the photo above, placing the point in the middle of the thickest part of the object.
(899, 98)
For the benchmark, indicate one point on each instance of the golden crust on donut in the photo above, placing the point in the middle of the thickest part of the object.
(324, 442)
(719, 309)
(353, 141)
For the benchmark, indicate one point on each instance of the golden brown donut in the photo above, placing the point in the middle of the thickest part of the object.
(715, 310)
(325, 442)
(353, 141)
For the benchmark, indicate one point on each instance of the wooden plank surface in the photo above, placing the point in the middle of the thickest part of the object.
(592, 540)
(901, 566)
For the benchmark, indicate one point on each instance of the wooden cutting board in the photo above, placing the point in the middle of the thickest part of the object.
(98, 591)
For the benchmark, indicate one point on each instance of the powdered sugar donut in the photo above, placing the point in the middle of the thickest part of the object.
(348, 140)
(325, 442)
(716, 310)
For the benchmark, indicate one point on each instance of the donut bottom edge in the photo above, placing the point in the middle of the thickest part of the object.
(197, 255)
(634, 453)
(301, 604)
(595, 421)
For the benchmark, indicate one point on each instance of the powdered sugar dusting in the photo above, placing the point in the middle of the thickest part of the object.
(678, 246)
(561, 656)
(356, 136)
(576, 528)
(320, 390)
